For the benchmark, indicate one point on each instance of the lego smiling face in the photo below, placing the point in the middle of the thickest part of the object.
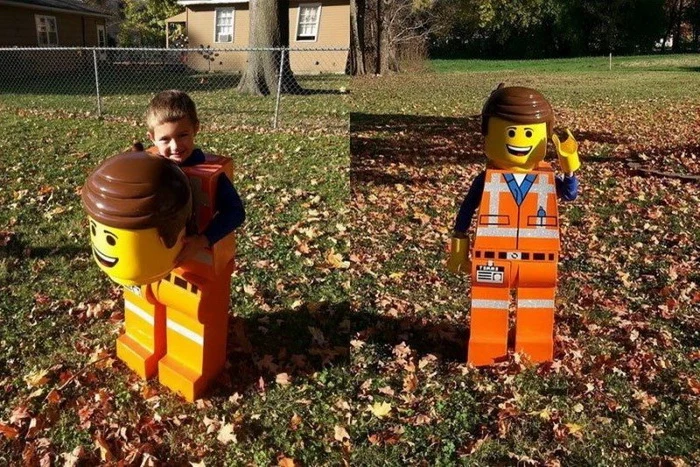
(132, 257)
(515, 146)
(138, 206)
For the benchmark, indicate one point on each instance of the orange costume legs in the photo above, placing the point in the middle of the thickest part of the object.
(143, 343)
(534, 323)
(196, 332)
(535, 285)
(488, 339)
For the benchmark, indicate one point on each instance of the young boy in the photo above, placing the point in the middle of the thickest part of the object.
(173, 124)
(177, 327)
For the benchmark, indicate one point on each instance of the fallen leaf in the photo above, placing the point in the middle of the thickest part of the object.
(226, 434)
(283, 379)
(36, 378)
(8, 431)
(380, 409)
(340, 433)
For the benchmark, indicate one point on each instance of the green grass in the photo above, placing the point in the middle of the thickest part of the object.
(685, 63)
(627, 310)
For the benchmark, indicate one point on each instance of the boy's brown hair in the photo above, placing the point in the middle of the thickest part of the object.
(517, 104)
(170, 106)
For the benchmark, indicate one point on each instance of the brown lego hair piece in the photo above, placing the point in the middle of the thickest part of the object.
(517, 104)
(170, 106)
(136, 190)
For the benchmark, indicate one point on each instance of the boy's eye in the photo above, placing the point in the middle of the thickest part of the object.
(93, 230)
(111, 240)
(528, 133)
(511, 133)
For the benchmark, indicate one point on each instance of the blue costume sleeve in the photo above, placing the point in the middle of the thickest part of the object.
(230, 212)
(567, 187)
(470, 203)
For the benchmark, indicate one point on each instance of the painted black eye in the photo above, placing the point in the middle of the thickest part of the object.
(511, 133)
(528, 133)
(111, 240)
(93, 230)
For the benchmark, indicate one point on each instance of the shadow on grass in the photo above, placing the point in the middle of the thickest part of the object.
(378, 141)
(16, 247)
(303, 341)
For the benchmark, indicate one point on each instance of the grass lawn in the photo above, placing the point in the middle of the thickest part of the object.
(347, 339)
(64, 397)
(624, 388)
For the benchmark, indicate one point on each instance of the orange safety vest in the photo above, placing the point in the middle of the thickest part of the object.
(515, 217)
(204, 179)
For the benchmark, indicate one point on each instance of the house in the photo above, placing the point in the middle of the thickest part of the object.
(51, 23)
(222, 24)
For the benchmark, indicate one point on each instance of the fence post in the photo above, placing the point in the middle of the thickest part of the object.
(97, 82)
(279, 90)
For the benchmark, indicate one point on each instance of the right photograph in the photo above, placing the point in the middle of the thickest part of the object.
(524, 191)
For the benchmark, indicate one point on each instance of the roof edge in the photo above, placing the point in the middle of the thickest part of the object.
(63, 10)
(208, 2)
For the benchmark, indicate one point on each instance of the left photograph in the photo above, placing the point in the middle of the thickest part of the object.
(174, 238)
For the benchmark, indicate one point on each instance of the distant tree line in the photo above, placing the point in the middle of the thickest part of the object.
(561, 28)
(383, 32)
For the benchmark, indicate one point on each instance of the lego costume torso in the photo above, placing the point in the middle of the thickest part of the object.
(518, 216)
(516, 246)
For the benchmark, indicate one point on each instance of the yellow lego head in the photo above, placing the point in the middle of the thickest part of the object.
(138, 205)
(132, 257)
(516, 122)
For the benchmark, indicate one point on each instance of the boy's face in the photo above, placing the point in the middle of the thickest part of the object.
(175, 140)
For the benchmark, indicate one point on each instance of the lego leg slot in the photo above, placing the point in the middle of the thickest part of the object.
(143, 342)
(534, 325)
(488, 339)
(196, 343)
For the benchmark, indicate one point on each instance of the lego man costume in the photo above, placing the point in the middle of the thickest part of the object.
(140, 207)
(516, 242)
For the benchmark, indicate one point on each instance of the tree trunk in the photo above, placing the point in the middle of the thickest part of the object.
(269, 27)
(357, 37)
(672, 18)
(383, 21)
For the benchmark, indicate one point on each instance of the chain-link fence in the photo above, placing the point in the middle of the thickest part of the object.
(243, 86)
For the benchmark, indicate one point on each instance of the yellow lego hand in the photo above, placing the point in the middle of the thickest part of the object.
(459, 259)
(567, 150)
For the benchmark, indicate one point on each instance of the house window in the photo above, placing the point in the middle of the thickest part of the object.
(308, 18)
(46, 30)
(101, 36)
(223, 29)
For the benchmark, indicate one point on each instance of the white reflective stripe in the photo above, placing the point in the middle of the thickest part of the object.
(496, 231)
(493, 219)
(492, 304)
(542, 232)
(184, 332)
(494, 188)
(543, 187)
(139, 312)
(530, 303)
